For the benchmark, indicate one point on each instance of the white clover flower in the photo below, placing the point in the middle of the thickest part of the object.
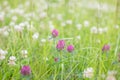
(94, 30)
(116, 27)
(12, 60)
(59, 17)
(112, 72)
(79, 26)
(2, 54)
(24, 53)
(105, 29)
(5, 3)
(43, 15)
(43, 40)
(51, 26)
(78, 37)
(103, 76)
(14, 18)
(100, 30)
(35, 36)
(111, 75)
(2, 16)
(27, 3)
(5, 33)
(88, 73)
(63, 24)
(18, 28)
(12, 23)
(22, 24)
(86, 23)
(69, 22)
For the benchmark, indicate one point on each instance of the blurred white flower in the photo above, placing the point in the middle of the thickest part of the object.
(103, 76)
(105, 29)
(43, 40)
(94, 30)
(51, 26)
(12, 60)
(69, 22)
(35, 36)
(78, 26)
(4, 31)
(116, 27)
(78, 37)
(59, 17)
(12, 23)
(18, 28)
(100, 30)
(22, 24)
(14, 18)
(43, 15)
(86, 23)
(27, 3)
(88, 73)
(2, 54)
(5, 3)
(24, 53)
(111, 75)
(2, 14)
(63, 24)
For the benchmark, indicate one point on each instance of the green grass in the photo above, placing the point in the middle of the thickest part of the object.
(88, 53)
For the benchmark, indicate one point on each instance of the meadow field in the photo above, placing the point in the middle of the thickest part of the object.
(59, 39)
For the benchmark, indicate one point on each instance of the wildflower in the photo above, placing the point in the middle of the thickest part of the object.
(70, 48)
(43, 15)
(60, 45)
(78, 26)
(88, 73)
(2, 16)
(86, 23)
(116, 27)
(2, 54)
(43, 40)
(14, 18)
(111, 75)
(94, 30)
(12, 60)
(69, 22)
(25, 70)
(55, 33)
(78, 37)
(24, 53)
(6, 33)
(18, 28)
(59, 17)
(51, 26)
(105, 29)
(106, 47)
(35, 36)
(100, 30)
(63, 24)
